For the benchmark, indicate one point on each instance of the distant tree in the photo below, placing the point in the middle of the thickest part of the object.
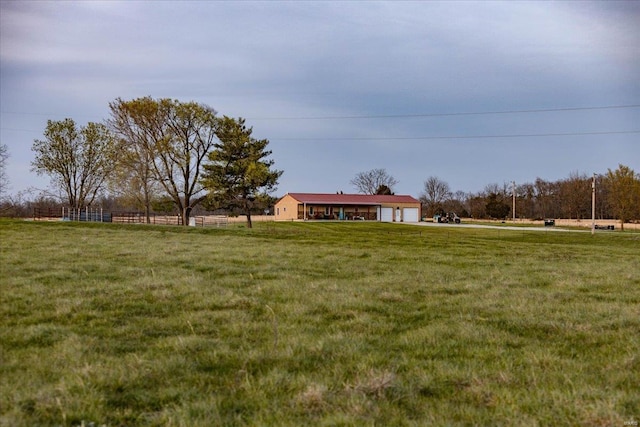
(436, 192)
(458, 202)
(624, 193)
(238, 173)
(547, 199)
(371, 181)
(575, 194)
(4, 179)
(525, 200)
(78, 160)
(164, 204)
(496, 206)
(477, 204)
(384, 190)
(503, 191)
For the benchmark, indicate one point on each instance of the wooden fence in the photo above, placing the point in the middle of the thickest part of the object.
(137, 217)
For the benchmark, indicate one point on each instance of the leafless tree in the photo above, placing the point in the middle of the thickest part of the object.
(436, 193)
(371, 181)
(575, 193)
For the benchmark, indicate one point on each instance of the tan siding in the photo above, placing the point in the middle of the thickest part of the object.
(286, 209)
(289, 208)
(401, 206)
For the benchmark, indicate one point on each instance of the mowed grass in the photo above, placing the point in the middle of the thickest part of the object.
(317, 324)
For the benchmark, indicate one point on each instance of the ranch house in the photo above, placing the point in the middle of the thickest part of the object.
(314, 206)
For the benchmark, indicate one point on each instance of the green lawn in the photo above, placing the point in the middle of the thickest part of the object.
(317, 324)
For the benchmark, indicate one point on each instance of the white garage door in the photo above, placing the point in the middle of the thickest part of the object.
(410, 215)
(386, 214)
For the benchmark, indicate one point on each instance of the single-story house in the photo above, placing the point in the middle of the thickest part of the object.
(310, 206)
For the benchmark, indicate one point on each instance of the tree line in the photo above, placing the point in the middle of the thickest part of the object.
(164, 155)
(158, 152)
(617, 195)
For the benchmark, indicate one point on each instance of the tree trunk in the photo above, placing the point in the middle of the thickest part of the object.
(186, 213)
(248, 204)
(249, 224)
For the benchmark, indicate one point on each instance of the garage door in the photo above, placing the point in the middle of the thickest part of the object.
(386, 214)
(410, 215)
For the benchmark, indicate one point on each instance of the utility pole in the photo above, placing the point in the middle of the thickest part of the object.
(593, 205)
(514, 201)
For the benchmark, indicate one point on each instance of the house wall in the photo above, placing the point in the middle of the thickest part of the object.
(289, 208)
(336, 212)
(401, 206)
(286, 209)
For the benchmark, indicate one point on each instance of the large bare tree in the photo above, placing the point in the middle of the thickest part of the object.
(371, 182)
(575, 194)
(436, 192)
(547, 198)
(78, 160)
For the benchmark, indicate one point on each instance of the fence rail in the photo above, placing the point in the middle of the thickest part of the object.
(134, 217)
(137, 217)
(71, 214)
(217, 221)
(46, 214)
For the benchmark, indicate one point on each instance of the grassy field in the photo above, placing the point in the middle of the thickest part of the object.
(317, 324)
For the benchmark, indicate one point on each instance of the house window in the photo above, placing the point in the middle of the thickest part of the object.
(310, 210)
(327, 210)
(277, 211)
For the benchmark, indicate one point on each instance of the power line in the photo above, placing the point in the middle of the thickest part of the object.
(410, 138)
(471, 113)
(407, 116)
(416, 138)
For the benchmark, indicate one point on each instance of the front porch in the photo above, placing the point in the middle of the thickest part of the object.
(338, 212)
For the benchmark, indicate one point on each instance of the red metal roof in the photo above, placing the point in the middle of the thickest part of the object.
(351, 199)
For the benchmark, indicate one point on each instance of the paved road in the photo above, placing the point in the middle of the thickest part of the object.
(498, 227)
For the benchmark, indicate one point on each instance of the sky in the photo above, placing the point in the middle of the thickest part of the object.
(474, 93)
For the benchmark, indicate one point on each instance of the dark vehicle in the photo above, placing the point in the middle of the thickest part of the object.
(448, 218)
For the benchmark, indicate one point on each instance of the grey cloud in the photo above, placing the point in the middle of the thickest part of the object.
(316, 59)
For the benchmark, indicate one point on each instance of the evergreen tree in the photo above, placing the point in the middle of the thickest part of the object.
(238, 170)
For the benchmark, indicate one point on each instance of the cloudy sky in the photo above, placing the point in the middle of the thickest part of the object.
(471, 92)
